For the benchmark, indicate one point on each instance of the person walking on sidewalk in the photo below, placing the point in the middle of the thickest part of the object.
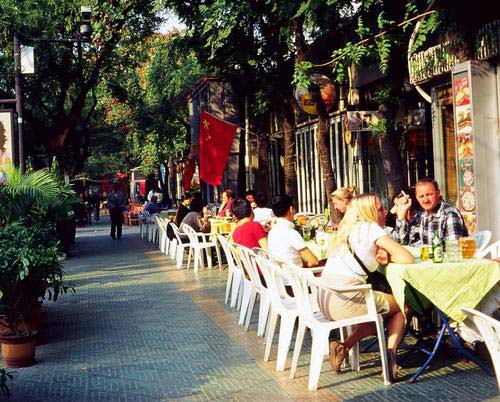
(116, 204)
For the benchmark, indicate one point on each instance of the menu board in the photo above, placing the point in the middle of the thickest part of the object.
(464, 135)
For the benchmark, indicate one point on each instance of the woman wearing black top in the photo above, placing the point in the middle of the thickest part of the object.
(183, 209)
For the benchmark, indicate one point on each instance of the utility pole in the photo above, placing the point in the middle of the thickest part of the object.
(82, 36)
(19, 100)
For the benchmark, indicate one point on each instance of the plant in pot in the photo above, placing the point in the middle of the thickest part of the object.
(29, 269)
(39, 197)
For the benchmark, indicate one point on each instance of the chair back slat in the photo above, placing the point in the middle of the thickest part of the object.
(493, 250)
(482, 239)
(227, 249)
(489, 329)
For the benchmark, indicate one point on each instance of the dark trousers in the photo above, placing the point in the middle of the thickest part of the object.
(116, 215)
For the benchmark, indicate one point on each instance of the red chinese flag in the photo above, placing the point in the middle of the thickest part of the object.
(216, 138)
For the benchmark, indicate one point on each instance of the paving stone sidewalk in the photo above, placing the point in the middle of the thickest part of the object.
(137, 329)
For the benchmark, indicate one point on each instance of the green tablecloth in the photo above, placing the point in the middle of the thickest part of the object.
(449, 285)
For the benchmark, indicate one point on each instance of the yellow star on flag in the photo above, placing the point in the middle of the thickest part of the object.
(206, 124)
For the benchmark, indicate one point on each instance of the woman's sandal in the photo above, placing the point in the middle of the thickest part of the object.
(337, 355)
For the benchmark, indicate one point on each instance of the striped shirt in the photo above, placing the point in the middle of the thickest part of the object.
(446, 220)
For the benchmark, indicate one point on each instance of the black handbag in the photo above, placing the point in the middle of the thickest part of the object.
(376, 279)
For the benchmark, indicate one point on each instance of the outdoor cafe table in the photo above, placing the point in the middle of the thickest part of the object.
(221, 226)
(449, 286)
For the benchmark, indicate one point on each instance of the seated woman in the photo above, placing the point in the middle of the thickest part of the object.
(361, 233)
(227, 204)
(247, 233)
(341, 199)
(183, 209)
(196, 219)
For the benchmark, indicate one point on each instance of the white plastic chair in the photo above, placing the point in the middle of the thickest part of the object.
(179, 246)
(282, 305)
(302, 281)
(145, 218)
(493, 250)
(490, 331)
(163, 241)
(197, 243)
(234, 273)
(251, 290)
(153, 228)
(482, 239)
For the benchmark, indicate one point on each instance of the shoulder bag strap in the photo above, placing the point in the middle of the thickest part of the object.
(363, 267)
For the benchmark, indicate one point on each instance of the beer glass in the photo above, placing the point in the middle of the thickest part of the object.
(468, 247)
(424, 253)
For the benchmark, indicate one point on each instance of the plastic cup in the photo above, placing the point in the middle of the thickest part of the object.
(306, 233)
(453, 250)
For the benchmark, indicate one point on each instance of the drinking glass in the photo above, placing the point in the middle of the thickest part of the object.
(306, 233)
(425, 253)
(320, 235)
(468, 247)
(453, 251)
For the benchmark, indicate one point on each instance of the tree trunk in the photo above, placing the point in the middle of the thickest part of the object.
(289, 145)
(322, 133)
(393, 166)
(263, 184)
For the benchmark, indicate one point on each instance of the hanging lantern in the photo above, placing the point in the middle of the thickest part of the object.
(328, 94)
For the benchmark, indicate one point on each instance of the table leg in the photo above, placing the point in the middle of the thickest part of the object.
(459, 349)
(431, 355)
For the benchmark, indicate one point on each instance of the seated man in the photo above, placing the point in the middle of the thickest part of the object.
(261, 213)
(284, 241)
(152, 206)
(437, 215)
(247, 233)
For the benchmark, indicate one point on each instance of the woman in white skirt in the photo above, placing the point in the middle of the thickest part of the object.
(361, 232)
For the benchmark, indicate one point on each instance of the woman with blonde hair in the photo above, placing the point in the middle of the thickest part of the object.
(341, 198)
(360, 246)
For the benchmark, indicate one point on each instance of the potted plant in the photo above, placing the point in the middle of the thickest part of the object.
(30, 253)
(29, 270)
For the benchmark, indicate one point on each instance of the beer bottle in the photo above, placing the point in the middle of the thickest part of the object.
(437, 248)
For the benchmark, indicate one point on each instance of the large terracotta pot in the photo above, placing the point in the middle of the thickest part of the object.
(18, 351)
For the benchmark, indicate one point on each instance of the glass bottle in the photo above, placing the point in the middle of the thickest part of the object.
(437, 248)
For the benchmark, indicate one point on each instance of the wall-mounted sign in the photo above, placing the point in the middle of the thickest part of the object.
(6, 137)
(27, 60)
(328, 94)
(464, 135)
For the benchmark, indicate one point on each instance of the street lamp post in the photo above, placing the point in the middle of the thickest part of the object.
(19, 99)
(82, 36)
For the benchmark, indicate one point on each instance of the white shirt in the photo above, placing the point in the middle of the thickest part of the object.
(362, 240)
(262, 214)
(285, 242)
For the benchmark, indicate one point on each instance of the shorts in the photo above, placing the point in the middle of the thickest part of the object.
(338, 306)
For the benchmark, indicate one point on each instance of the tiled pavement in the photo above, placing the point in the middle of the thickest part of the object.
(139, 330)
